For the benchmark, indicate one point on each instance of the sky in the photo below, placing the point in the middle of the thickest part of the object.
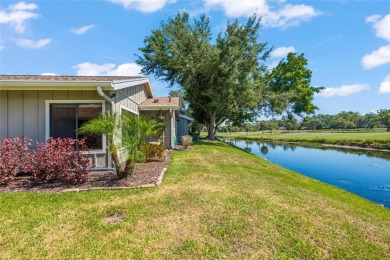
(346, 42)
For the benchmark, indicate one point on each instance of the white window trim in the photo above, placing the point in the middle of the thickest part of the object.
(47, 118)
(128, 109)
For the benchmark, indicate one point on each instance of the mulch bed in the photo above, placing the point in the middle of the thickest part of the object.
(144, 174)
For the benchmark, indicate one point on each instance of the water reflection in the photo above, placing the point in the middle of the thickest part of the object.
(264, 149)
(366, 173)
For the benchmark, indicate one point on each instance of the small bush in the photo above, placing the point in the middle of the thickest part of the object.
(60, 160)
(13, 157)
(153, 151)
(186, 140)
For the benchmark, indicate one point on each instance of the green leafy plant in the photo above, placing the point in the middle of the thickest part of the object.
(125, 133)
(148, 127)
(153, 151)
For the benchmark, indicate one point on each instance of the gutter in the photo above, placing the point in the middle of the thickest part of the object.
(103, 95)
(154, 107)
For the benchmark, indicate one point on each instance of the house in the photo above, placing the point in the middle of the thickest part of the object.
(182, 126)
(55, 106)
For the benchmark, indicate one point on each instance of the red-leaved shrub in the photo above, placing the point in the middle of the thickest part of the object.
(61, 160)
(13, 157)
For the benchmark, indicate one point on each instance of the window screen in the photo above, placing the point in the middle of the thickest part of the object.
(65, 119)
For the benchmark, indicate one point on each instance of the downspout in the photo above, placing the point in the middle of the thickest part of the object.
(171, 126)
(107, 98)
(103, 95)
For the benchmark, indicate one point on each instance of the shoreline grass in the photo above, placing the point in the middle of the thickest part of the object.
(216, 201)
(371, 140)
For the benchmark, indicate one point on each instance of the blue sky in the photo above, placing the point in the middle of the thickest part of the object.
(347, 43)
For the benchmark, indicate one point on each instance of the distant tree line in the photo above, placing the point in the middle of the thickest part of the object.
(342, 120)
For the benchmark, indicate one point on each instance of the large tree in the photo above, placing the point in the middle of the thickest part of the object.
(384, 118)
(225, 77)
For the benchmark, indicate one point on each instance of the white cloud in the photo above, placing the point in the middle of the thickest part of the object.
(1, 47)
(373, 18)
(146, 6)
(381, 25)
(237, 8)
(287, 14)
(127, 69)
(385, 86)
(108, 69)
(23, 6)
(344, 90)
(82, 30)
(91, 69)
(49, 74)
(382, 28)
(377, 58)
(291, 15)
(27, 43)
(282, 52)
(17, 15)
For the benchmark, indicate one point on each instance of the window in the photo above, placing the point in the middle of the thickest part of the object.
(65, 119)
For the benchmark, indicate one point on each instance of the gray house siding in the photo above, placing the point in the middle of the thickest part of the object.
(181, 128)
(23, 112)
(168, 122)
(129, 98)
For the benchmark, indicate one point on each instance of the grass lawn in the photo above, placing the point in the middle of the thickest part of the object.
(380, 140)
(216, 201)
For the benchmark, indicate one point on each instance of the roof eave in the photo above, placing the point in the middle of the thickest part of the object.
(156, 107)
(48, 84)
(186, 117)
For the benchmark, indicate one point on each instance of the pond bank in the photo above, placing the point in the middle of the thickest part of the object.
(345, 140)
(365, 173)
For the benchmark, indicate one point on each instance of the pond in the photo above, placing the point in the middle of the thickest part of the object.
(363, 173)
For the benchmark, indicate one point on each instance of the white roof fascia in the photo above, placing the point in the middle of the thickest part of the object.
(49, 84)
(186, 117)
(73, 84)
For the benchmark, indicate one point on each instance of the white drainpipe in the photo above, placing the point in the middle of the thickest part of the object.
(102, 94)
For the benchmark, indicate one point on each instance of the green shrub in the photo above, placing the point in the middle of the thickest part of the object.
(153, 151)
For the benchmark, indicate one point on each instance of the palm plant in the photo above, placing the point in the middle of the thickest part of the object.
(148, 128)
(131, 129)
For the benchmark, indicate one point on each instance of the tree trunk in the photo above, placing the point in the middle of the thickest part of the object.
(128, 168)
(117, 165)
(211, 127)
(115, 159)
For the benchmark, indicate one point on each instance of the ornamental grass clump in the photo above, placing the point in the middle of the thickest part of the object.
(14, 156)
(186, 140)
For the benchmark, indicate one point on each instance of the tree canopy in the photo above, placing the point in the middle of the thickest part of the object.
(225, 77)
(384, 118)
